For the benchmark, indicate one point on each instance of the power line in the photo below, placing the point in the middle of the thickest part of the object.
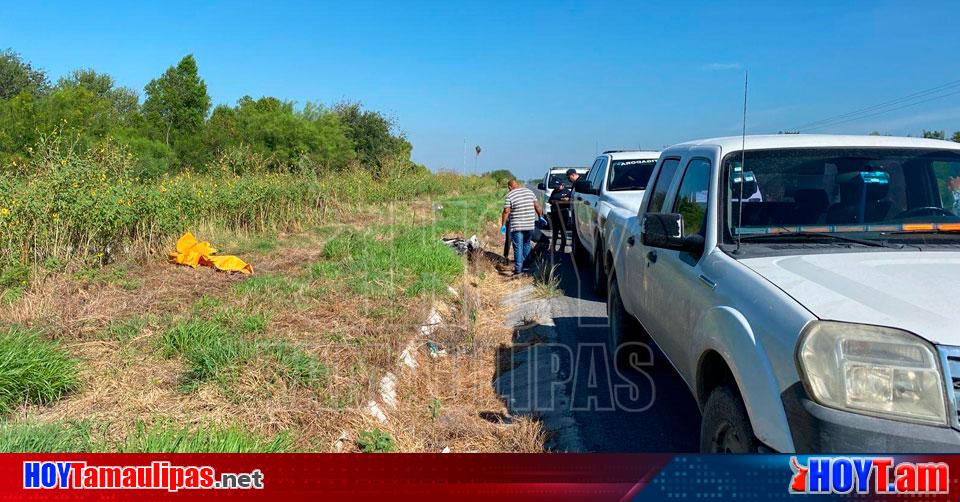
(881, 112)
(877, 108)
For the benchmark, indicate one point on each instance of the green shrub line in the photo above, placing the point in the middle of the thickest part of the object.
(33, 369)
(80, 203)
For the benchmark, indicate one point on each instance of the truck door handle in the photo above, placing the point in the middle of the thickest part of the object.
(652, 256)
(631, 241)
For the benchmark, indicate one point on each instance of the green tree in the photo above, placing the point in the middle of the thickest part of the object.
(176, 106)
(934, 134)
(17, 75)
(72, 109)
(124, 103)
(312, 138)
(956, 137)
(372, 136)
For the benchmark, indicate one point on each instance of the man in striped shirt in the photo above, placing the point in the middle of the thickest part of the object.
(521, 208)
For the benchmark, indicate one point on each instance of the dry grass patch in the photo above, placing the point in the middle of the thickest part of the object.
(449, 402)
(294, 350)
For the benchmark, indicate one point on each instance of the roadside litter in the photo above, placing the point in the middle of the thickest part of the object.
(194, 253)
(462, 246)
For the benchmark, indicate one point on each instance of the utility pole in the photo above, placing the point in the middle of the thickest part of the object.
(463, 167)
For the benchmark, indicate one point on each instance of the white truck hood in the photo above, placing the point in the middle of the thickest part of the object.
(916, 291)
(628, 199)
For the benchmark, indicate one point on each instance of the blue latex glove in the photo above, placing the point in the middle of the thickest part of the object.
(503, 230)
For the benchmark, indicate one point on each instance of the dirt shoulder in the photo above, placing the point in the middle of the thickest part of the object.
(293, 355)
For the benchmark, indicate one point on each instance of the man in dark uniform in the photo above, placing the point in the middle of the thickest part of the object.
(560, 217)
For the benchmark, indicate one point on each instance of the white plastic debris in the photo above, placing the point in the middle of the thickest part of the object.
(341, 441)
(388, 390)
(407, 357)
(376, 412)
(433, 321)
(463, 245)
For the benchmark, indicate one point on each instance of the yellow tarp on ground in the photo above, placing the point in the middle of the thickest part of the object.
(194, 253)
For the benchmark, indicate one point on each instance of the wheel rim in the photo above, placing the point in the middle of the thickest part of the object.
(726, 439)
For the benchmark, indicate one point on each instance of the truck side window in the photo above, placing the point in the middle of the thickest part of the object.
(597, 181)
(667, 171)
(692, 196)
(593, 172)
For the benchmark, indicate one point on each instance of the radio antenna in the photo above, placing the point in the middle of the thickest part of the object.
(743, 160)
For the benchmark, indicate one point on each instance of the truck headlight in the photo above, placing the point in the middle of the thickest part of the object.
(873, 370)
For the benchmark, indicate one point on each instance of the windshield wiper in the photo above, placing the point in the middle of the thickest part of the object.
(817, 235)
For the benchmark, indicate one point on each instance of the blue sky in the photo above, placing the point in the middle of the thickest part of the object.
(534, 83)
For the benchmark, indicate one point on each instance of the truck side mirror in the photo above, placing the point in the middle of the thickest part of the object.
(665, 230)
(541, 186)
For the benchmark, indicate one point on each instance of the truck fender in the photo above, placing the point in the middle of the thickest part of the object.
(727, 332)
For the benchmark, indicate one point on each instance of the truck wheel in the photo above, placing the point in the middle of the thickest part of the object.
(622, 327)
(725, 427)
(599, 273)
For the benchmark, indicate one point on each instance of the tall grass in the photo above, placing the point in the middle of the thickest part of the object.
(32, 369)
(403, 259)
(67, 202)
(158, 437)
(46, 438)
(209, 349)
(168, 438)
(216, 343)
(413, 262)
(546, 279)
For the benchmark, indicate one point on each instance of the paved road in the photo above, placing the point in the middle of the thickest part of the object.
(564, 371)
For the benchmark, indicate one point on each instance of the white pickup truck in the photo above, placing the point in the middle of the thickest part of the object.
(553, 176)
(806, 288)
(617, 179)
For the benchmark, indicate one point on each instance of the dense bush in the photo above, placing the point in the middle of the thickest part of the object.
(285, 138)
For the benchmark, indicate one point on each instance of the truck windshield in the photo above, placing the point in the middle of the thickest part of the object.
(558, 178)
(630, 174)
(870, 192)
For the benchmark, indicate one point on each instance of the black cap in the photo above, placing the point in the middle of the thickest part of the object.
(571, 171)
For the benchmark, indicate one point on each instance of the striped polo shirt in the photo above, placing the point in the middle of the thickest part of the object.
(522, 214)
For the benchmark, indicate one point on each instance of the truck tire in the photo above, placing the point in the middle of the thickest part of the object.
(725, 427)
(579, 253)
(599, 272)
(621, 326)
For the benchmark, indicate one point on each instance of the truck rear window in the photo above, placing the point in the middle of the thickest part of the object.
(630, 174)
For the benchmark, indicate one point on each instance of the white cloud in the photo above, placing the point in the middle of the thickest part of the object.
(721, 66)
